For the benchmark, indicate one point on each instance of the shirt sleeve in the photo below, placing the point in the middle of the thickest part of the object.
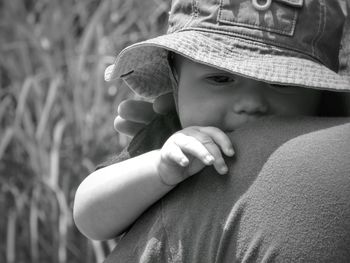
(152, 137)
(122, 156)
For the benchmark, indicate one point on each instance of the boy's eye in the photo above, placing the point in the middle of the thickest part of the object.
(276, 86)
(283, 88)
(220, 79)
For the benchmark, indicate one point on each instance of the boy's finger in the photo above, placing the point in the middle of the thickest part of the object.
(192, 146)
(164, 103)
(219, 163)
(136, 111)
(220, 138)
(174, 153)
(220, 166)
(127, 127)
(206, 140)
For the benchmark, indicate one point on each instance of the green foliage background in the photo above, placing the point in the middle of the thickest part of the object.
(56, 114)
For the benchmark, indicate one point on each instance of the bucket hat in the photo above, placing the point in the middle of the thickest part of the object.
(285, 42)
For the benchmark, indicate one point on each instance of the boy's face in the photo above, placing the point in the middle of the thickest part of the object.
(210, 97)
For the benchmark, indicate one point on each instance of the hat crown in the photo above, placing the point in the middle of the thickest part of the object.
(309, 28)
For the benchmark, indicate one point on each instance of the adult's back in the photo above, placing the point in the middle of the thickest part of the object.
(285, 200)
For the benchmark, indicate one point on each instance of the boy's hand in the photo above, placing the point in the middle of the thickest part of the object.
(190, 150)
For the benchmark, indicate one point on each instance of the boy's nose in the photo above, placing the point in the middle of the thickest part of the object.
(250, 101)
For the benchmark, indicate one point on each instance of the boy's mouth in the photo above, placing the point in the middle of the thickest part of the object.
(239, 122)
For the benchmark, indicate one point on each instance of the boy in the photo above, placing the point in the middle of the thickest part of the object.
(243, 65)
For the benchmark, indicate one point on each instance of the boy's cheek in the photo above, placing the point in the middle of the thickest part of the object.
(304, 102)
(309, 103)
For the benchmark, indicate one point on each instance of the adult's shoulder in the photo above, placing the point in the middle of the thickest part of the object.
(246, 214)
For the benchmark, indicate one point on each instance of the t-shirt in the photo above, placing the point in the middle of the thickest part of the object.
(286, 199)
(152, 137)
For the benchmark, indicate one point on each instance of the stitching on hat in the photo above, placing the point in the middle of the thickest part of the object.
(220, 9)
(195, 8)
(323, 22)
(173, 28)
(298, 3)
(248, 38)
(317, 35)
(256, 26)
(192, 15)
(294, 22)
(255, 38)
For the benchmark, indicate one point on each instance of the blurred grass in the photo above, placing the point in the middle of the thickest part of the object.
(57, 114)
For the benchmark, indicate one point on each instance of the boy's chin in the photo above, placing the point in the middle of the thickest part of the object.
(246, 121)
(240, 122)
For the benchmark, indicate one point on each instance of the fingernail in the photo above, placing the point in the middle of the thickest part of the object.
(183, 162)
(230, 152)
(209, 159)
(224, 170)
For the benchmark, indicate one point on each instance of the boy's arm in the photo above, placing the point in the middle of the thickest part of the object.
(111, 198)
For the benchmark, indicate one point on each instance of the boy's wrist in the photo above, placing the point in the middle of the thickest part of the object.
(161, 170)
(164, 181)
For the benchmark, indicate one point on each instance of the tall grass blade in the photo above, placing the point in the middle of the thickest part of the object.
(11, 236)
(5, 140)
(33, 226)
(54, 85)
(98, 251)
(22, 98)
(4, 105)
(63, 224)
(55, 154)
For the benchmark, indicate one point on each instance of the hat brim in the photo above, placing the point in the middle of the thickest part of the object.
(143, 66)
